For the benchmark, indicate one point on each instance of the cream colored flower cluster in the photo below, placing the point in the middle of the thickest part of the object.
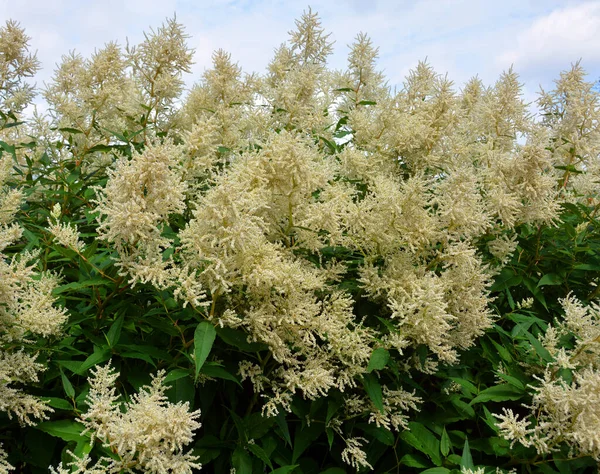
(16, 63)
(297, 83)
(27, 310)
(157, 65)
(89, 95)
(65, 234)
(354, 455)
(91, 99)
(219, 114)
(561, 411)
(572, 112)
(147, 434)
(26, 303)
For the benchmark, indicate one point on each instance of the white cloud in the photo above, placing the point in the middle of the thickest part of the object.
(554, 41)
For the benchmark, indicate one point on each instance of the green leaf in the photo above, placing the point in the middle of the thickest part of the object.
(83, 447)
(210, 441)
(506, 279)
(466, 460)
(213, 370)
(569, 168)
(587, 267)
(38, 450)
(535, 291)
(153, 351)
(515, 382)
(70, 130)
(282, 424)
(412, 460)
(330, 436)
(68, 430)
(331, 145)
(545, 469)
(241, 461)
(12, 124)
(285, 469)
(537, 345)
(436, 470)
(333, 470)
(204, 337)
(260, 454)
(381, 433)
(67, 386)
(239, 339)
(465, 384)
(176, 374)
(72, 365)
(518, 329)
(445, 443)
(8, 148)
(304, 437)
(504, 353)
(424, 440)
(240, 426)
(182, 390)
(114, 333)
(137, 355)
(100, 355)
(464, 409)
(333, 405)
(100, 148)
(258, 425)
(489, 419)
(500, 446)
(379, 359)
(58, 403)
(550, 279)
(373, 389)
(78, 285)
(498, 393)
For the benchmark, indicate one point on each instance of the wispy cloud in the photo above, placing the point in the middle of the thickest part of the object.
(555, 40)
(460, 37)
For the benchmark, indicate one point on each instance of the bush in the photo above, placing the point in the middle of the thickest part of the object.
(296, 272)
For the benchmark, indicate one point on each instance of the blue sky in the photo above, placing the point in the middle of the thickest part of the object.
(459, 37)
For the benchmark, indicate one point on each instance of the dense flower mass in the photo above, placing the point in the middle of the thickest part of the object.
(147, 436)
(27, 310)
(16, 64)
(350, 233)
(561, 410)
(27, 306)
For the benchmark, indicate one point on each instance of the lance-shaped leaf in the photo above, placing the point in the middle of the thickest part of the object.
(204, 337)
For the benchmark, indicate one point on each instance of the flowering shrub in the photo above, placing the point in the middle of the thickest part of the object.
(328, 274)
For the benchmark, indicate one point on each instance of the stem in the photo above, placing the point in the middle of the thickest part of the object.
(213, 306)
(116, 291)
